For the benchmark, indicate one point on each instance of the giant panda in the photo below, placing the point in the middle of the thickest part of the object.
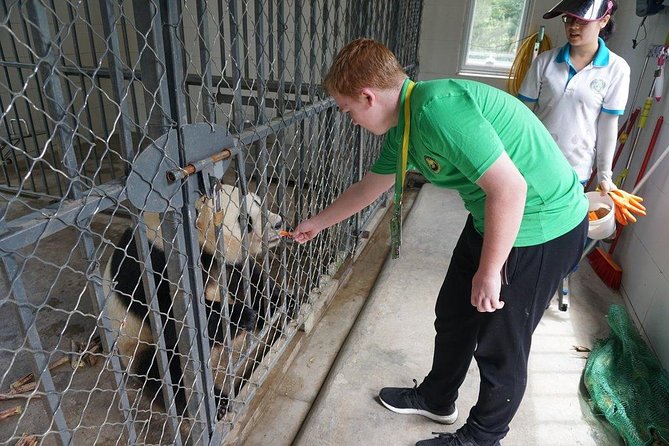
(127, 306)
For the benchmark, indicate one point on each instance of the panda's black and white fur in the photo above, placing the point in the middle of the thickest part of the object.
(128, 309)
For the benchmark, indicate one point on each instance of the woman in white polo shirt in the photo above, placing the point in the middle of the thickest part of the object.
(579, 90)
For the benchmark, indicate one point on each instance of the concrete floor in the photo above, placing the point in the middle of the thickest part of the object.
(383, 337)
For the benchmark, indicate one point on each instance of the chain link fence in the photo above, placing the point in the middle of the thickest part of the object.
(151, 153)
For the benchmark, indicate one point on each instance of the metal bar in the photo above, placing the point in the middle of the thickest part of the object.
(187, 308)
(154, 83)
(281, 54)
(200, 407)
(240, 161)
(119, 91)
(26, 230)
(26, 319)
(197, 166)
(237, 110)
(376, 13)
(96, 83)
(126, 47)
(21, 141)
(30, 228)
(324, 44)
(158, 120)
(135, 75)
(247, 100)
(68, 90)
(335, 29)
(270, 37)
(290, 119)
(221, 42)
(301, 177)
(313, 23)
(312, 174)
(82, 81)
(205, 61)
(156, 93)
(263, 156)
(9, 145)
(214, 187)
(109, 16)
(53, 91)
(245, 37)
(282, 194)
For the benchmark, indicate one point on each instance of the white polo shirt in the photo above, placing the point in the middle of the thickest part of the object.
(569, 102)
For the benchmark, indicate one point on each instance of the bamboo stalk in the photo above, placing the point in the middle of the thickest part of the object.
(28, 440)
(17, 392)
(30, 377)
(10, 412)
(90, 356)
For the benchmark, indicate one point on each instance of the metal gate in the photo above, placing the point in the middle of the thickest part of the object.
(151, 151)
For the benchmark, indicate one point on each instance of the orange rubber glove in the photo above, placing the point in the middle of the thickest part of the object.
(626, 205)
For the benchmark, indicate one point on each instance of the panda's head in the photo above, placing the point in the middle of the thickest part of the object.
(233, 224)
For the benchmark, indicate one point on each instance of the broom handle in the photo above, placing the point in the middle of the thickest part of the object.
(638, 84)
(623, 138)
(645, 111)
(649, 152)
(643, 176)
(652, 169)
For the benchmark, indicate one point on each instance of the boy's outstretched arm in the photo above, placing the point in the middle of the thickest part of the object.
(352, 200)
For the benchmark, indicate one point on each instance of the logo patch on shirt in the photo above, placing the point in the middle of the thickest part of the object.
(432, 164)
(598, 85)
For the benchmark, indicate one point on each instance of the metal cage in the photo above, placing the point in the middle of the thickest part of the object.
(151, 151)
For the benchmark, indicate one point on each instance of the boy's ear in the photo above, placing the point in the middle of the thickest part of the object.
(368, 96)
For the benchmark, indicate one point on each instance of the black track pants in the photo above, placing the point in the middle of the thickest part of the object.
(500, 341)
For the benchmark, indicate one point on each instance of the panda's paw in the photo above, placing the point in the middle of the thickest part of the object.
(222, 409)
(221, 403)
(292, 305)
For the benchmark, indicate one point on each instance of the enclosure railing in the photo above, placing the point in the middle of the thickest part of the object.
(151, 152)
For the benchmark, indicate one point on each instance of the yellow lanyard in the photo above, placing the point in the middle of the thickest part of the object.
(400, 174)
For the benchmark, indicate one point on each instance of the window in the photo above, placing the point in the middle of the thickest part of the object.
(494, 33)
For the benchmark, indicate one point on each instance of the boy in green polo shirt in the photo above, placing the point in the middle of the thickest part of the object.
(526, 229)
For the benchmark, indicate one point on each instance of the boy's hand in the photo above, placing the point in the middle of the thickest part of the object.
(305, 231)
(485, 292)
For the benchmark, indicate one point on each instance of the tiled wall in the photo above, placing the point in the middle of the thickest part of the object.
(643, 251)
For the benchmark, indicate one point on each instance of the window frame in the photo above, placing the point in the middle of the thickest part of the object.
(476, 70)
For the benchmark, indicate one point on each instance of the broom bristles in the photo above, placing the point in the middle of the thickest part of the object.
(606, 268)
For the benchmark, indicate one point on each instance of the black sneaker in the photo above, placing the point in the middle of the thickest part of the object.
(457, 438)
(408, 401)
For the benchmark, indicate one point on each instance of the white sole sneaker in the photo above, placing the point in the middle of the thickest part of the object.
(443, 419)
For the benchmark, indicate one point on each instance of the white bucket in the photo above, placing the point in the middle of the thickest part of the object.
(604, 227)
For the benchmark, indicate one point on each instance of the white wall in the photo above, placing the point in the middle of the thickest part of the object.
(442, 37)
(643, 251)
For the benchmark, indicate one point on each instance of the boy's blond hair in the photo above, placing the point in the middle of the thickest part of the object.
(363, 63)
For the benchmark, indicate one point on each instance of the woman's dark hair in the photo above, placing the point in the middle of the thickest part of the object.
(607, 31)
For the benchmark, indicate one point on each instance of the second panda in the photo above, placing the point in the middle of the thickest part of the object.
(128, 308)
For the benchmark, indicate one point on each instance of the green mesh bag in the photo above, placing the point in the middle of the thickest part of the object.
(627, 384)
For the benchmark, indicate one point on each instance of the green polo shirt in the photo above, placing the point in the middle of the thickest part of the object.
(459, 129)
